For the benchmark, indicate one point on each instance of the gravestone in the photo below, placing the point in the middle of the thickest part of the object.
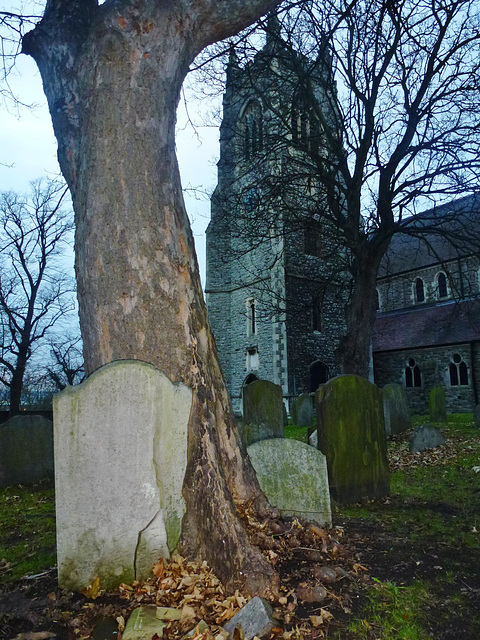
(437, 404)
(395, 409)
(263, 412)
(120, 460)
(26, 450)
(293, 476)
(351, 434)
(476, 416)
(255, 619)
(426, 437)
(302, 410)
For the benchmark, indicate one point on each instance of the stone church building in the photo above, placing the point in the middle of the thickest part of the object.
(276, 283)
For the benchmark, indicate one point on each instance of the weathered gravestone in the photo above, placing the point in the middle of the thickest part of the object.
(294, 478)
(437, 404)
(476, 416)
(426, 437)
(302, 410)
(26, 450)
(263, 412)
(351, 434)
(120, 460)
(395, 409)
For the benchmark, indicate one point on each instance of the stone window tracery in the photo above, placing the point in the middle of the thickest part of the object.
(419, 290)
(458, 371)
(413, 377)
(252, 129)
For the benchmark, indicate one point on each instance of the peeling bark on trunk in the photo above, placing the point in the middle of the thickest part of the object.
(112, 76)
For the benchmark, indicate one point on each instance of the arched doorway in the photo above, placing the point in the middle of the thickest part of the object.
(318, 374)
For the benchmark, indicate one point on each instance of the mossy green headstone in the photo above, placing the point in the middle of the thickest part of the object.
(437, 403)
(395, 409)
(293, 476)
(263, 412)
(302, 410)
(351, 434)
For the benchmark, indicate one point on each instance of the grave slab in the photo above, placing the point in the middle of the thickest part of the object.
(120, 460)
(293, 476)
(143, 624)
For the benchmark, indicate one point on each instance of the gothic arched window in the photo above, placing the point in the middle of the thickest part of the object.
(458, 371)
(419, 290)
(304, 125)
(442, 289)
(252, 129)
(413, 377)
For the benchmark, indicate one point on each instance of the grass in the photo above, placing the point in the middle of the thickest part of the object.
(27, 531)
(433, 506)
(393, 612)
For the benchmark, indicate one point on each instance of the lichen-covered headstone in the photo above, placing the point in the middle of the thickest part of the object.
(120, 461)
(426, 437)
(293, 475)
(437, 404)
(395, 409)
(302, 410)
(351, 434)
(263, 412)
(26, 450)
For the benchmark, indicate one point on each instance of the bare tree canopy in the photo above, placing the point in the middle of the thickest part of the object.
(36, 293)
(378, 120)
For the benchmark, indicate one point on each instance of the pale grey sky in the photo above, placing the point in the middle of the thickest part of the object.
(28, 148)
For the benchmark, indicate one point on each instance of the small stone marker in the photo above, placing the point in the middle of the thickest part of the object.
(395, 409)
(168, 613)
(302, 410)
(476, 416)
(26, 450)
(437, 404)
(255, 619)
(313, 439)
(143, 624)
(426, 437)
(351, 434)
(263, 412)
(293, 476)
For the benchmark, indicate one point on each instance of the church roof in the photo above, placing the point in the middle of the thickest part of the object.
(422, 326)
(459, 219)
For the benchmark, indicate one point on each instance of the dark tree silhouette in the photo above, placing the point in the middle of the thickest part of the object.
(35, 292)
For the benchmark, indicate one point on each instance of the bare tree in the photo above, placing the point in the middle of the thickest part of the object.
(35, 291)
(379, 119)
(66, 366)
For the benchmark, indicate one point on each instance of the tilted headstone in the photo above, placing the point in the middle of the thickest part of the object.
(302, 410)
(395, 409)
(26, 450)
(313, 439)
(426, 437)
(476, 416)
(351, 434)
(263, 412)
(437, 404)
(120, 461)
(293, 475)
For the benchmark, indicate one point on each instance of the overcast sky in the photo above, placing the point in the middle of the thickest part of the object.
(28, 149)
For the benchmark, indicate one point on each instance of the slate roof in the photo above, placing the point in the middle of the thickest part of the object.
(427, 326)
(459, 218)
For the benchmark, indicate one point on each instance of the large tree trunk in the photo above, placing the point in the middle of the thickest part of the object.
(112, 79)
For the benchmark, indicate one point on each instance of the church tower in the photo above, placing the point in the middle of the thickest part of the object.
(275, 293)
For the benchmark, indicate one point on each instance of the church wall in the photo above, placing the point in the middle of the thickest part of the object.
(434, 367)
